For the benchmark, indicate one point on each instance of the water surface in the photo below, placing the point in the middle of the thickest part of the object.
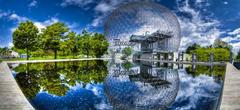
(108, 85)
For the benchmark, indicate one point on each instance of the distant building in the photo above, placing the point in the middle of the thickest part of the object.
(23, 56)
(157, 46)
(14, 54)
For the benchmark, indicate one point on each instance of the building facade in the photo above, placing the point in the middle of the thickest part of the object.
(157, 46)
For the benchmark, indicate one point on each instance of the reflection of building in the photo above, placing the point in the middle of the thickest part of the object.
(147, 88)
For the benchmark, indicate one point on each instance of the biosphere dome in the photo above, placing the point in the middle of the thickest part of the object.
(146, 90)
(144, 19)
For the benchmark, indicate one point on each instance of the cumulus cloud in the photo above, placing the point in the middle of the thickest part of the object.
(102, 10)
(80, 3)
(32, 4)
(44, 24)
(104, 7)
(10, 44)
(195, 29)
(40, 24)
(225, 3)
(233, 38)
(18, 18)
(3, 14)
(235, 32)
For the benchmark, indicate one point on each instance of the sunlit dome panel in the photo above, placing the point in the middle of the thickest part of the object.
(143, 18)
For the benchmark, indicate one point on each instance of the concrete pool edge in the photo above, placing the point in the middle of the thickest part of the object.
(231, 96)
(11, 96)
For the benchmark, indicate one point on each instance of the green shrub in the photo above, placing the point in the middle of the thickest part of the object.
(220, 54)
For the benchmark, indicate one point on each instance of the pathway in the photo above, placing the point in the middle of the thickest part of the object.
(11, 96)
(231, 90)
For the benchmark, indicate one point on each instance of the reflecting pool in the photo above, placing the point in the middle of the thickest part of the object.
(110, 85)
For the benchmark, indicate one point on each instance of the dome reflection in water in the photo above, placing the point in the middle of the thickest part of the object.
(142, 87)
(100, 85)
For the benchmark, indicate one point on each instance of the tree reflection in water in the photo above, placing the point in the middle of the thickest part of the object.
(56, 78)
(214, 71)
(92, 85)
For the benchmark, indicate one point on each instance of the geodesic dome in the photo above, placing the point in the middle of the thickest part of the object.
(143, 18)
(129, 92)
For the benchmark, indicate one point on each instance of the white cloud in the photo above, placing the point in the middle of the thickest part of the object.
(236, 46)
(38, 24)
(80, 3)
(104, 7)
(17, 18)
(225, 3)
(195, 29)
(4, 14)
(13, 29)
(32, 4)
(233, 38)
(10, 44)
(44, 24)
(236, 31)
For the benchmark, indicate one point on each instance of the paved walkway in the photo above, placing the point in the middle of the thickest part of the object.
(231, 90)
(11, 96)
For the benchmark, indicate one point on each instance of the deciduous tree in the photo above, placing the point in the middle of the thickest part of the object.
(84, 44)
(53, 35)
(99, 45)
(192, 47)
(26, 37)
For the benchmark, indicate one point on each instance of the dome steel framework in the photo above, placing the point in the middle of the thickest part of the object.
(150, 88)
(142, 22)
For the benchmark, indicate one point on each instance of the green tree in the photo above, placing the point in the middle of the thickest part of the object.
(220, 54)
(127, 51)
(238, 55)
(192, 47)
(4, 51)
(1, 50)
(218, 43)
(73, 43)
(99, 45)
(127, 65)
(85, 45)
(70, 44)
(53, 35)
(26, 37)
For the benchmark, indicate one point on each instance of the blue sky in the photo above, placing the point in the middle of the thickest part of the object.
(201, 21)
